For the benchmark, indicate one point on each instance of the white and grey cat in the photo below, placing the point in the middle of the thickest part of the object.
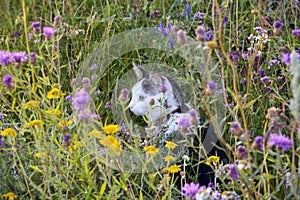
(159, 98)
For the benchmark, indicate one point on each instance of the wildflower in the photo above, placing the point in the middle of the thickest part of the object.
(56, 20)
(108, 105)
(75, 146)
(255, 80)
(212, 44)
(169, 158)
(241, 152)
(93, 67)
(9, 131)
(233, 172)
(209, 36)
(296, 33)
(124, 95)
(265, 80)
(163, 88)
(201, 33)
(277, 27)
(95, 133)
(181, 37)
(170, 145)
(65, 123)
(66, 140)
(245, 55)
(243, 81)
(184, 122)
(280, 141)
(212, 159)
(54, 112)
(155, 14)
(230, 195)
(39, 155)
(49, 31)
(285, 57)
(258, 143)
(235, 55)
(19, 57)
(211, 87)
(80, 99)
(171, 42)
(174, 169)
(4, 58)
(111, 128)
(7, 80)
(189, 190)
(204, 193)
(34, 123)
(198, 16)
(1, 141)
(185, 158)
(151, 149)
(267, 89)
(32, 57)
(188, 10)
(10, 196)
(236, 128)
(261, 72)
(112, 143)
(55, 93)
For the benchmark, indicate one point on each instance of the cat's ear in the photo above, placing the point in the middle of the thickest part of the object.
(140, 72)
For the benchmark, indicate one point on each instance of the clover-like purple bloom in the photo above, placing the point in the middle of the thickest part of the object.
(198, 15)
(189, 190)
(285, 57)
(265, 79)
(4, 58)
(241, 152)
(184, 122)
(212, 86)
(278, 24)
(163, 88)
(233, 172)
(49, 31)
(7, 80)
(19, 57)
(280, 141)
(296, 32)
(258, 142)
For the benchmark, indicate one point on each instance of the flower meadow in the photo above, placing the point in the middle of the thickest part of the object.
(60, 136)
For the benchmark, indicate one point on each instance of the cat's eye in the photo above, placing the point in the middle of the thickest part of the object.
(142, 98)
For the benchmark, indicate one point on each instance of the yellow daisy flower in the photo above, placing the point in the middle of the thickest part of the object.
(32, 104)
(111, 142)
(55, 93)
(75, 146)
(151, 149)
(9, 131)
(169, 158)
(212, 159)
(10, 196)
(65, 123)
(171, 145)
(174, 169)
(39, 155)
(111, 128)
(34, 123)
(95, 133)
(54, 112)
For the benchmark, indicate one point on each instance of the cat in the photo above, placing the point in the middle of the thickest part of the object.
(160, 99)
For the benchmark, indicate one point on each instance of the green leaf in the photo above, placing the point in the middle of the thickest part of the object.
(250, 103)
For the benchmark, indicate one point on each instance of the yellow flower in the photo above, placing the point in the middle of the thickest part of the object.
(32, 104)
(34, 123)
(10, 196)
(95, 133)
(151, 149)
(39, 155)
(111, 129)
(212, 159)
(65, 123)
(111, 142)
(169, 158)
(75, 146)
(174, 169)
(55, 93)
(171, 145)
(9, 131)
(54, 111)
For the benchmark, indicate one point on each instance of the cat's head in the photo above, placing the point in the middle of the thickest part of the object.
(154, 95)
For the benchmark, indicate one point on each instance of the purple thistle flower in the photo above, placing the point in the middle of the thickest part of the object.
(235, 55)
(241, 152)
(233, 172)
(198, 16)
(242, 72)
(107, 105)
(211, 87)
(33, 57)
(49, 31)
(201, 33)
(181, 37)
(265, 80)
(236, 128)
(225, 20)
(209, 35)
(255, 80)
(184, 122)
(36, 26)
(267, 89)
(280, 141)
(190, 190)
(80, 99)
(261, 72)
(7, 80)
(278, 24)
(86, 81)
(4, 58)
(57, 18)
(243, 81)
(19, 57)
(163, 88)
(285, 57)
(258, 143)
(155, 14)
(66, 138)
(296, 33)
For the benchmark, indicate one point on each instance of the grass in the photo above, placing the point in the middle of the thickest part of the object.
(259, 94)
